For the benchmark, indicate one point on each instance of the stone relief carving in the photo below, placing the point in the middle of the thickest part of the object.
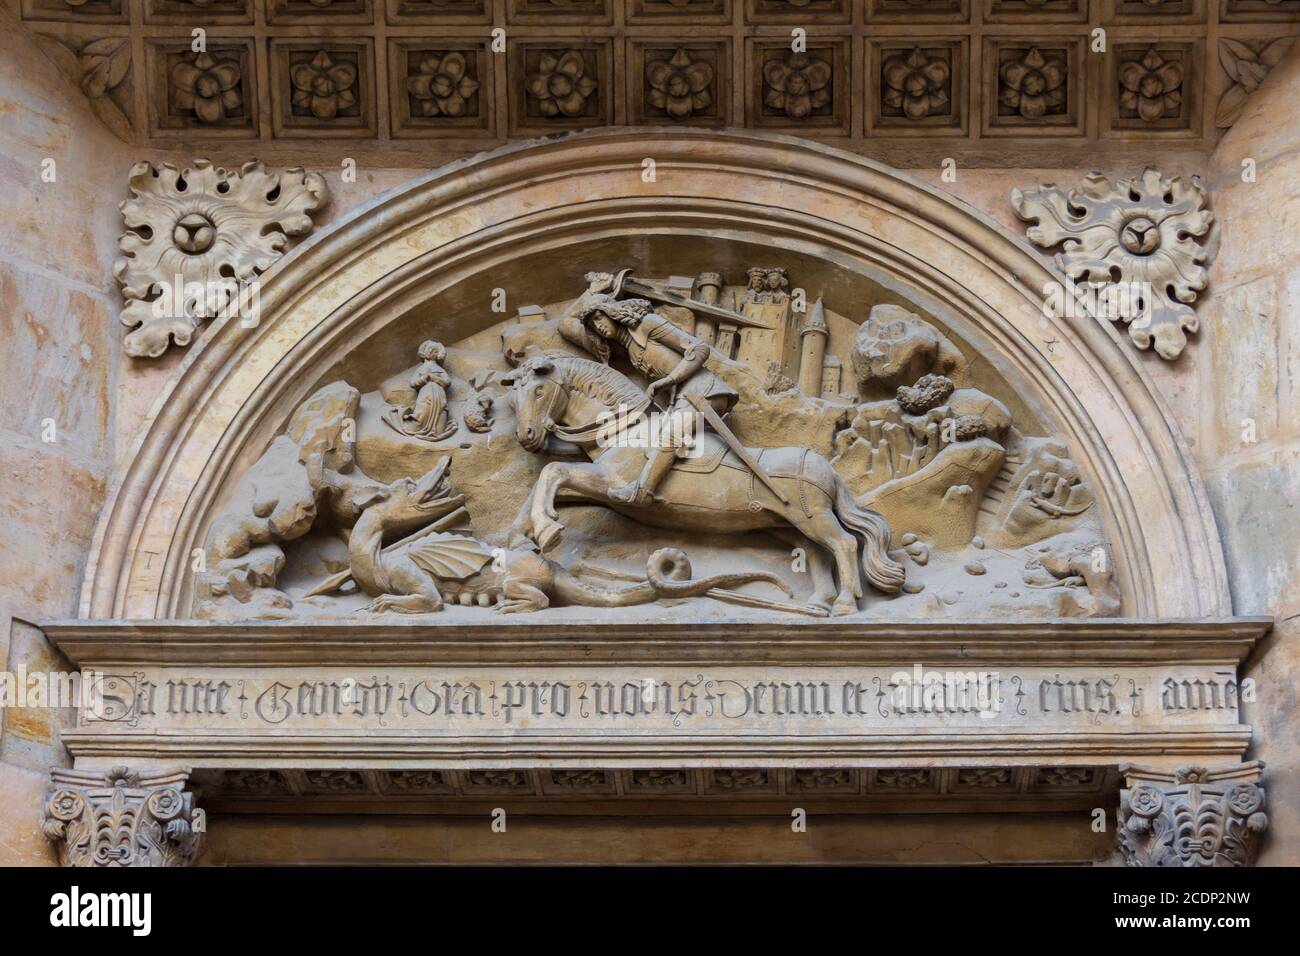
(101, 67)
(917, 84)
(1192, 817)
(1150, 86)
(442, 85)
(322, 87)
(798, 84)
(610, 436)
(679, 85)
(1246, 62)
(1136, 241)
(1033, 85)
(195, 237)
(562, 85)
(426, 417)
(122, 818)
(207, 84)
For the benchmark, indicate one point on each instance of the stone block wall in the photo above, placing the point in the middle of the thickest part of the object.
(60, 175)
(1249, 371)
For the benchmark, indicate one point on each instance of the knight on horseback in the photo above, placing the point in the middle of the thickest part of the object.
(672, 359)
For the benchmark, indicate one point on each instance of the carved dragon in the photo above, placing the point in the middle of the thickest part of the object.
(429, 568)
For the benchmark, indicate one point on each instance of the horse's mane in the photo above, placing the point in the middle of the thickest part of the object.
(598, 381)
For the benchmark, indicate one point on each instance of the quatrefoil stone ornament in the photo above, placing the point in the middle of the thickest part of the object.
(195, 237)
(1143, 234)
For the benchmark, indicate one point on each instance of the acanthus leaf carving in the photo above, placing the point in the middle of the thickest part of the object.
(1192, 817)
(1141, 235)
(195, 238)
(122, 818)
(101, 68)
(1246, 64)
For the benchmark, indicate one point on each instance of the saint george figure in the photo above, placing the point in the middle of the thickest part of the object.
(672, 359)
(427, 419)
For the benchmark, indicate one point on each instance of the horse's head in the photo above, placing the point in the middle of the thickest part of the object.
(538, 397)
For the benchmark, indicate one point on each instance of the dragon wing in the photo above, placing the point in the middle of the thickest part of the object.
(449, 556)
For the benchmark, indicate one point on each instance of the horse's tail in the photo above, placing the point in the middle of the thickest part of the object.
(884, 573)
(668, 574)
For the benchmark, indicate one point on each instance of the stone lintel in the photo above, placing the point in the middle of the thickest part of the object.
(1092, 692)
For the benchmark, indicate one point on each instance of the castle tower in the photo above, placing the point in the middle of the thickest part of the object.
(812, 350)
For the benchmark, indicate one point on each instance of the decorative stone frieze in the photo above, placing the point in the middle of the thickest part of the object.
(123, 818)
(1001, 788)
(1138, 237)
(1035, 70)
(195, 235)
(1192, 817)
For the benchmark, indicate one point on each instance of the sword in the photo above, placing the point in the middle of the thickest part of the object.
(715, 422)
(644, 290)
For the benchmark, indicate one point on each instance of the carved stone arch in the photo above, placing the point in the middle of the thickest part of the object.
(463, 222)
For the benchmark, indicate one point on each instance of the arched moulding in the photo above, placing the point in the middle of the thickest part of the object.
(473, 218)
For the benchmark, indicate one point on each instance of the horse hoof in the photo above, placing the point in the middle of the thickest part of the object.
(843, 607)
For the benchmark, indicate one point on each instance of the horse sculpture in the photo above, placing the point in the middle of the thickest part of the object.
(574, 399)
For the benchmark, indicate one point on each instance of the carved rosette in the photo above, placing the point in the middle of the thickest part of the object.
(122, 818)
(195, 237)
(1192, 817)
(1146, 232)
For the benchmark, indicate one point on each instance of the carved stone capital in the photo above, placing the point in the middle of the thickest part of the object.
(122, 818)
(1192, 816)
